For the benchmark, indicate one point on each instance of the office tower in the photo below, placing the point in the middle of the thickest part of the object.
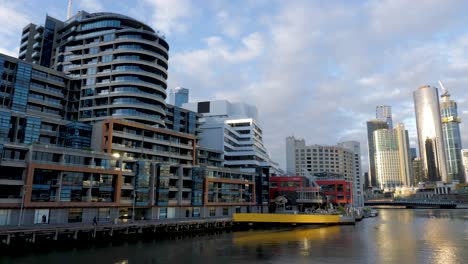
(413, 153)
(358, 182)
(465, 165)
(290, 156)
(373, 125)
(429, 127)
(179, 96)
(120, 62)
(366, 180)
(452, 138)
(343, 159)
(418, 170)
(384, 113)
(392, 161)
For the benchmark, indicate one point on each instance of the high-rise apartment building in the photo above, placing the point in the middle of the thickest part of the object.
(430, 137)
(464, 154)
(343, 159)
(373, 125)
(384, 113)
(179, 96)
(392, 161)
(85, 131)
(452, 138)
(121, 64)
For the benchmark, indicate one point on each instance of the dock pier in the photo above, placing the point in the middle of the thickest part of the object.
(77, 232)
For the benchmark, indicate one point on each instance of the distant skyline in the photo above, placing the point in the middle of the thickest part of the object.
(315, 70)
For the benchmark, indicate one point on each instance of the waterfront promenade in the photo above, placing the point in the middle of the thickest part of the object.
(67, 232)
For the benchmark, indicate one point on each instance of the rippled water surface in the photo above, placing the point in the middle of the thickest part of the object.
(395, 236)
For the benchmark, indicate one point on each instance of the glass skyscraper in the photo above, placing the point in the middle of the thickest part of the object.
(179, 96)
(373, 125)
(384, 113)
(392, 159)
(429, 127)
(452, 138)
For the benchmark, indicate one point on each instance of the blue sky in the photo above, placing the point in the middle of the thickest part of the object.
(315, 69)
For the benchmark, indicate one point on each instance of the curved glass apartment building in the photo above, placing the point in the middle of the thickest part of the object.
(121, 63)
(428, 123)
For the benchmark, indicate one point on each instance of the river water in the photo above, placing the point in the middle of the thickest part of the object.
(395, 236)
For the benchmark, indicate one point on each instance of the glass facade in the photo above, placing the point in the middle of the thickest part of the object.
(429, 128)
(32, 130)
(5, 126)
(452, 138)
(373, 125)
(78, 135)
(142, 182)
(21, 87)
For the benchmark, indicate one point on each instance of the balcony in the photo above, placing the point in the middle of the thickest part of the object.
(37, 45)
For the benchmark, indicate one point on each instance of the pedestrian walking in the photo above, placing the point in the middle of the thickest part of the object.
(95, 221)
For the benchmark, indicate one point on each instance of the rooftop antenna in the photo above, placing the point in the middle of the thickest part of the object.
(444, 91)
(69, 10)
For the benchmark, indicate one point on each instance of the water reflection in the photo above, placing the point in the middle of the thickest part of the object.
(282, 236)
(395, 236)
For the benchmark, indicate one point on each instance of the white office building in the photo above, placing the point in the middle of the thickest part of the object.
(343, 159)
(234, 129)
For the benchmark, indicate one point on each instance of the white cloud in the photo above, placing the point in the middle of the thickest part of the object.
(90, 5)
(12, 22)
(169, 16)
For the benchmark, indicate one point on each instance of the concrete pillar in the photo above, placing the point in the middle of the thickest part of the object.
(180, 184)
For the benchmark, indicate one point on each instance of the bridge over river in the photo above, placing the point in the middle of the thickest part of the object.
(412, 203)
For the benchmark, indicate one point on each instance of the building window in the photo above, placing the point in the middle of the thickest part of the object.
(212, 211)
(75, 215)
(162, 213)
(225, 211)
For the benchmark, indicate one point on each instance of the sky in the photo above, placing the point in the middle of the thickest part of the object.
(314, 69)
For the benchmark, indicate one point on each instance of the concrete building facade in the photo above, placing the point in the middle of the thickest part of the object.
(343, 159)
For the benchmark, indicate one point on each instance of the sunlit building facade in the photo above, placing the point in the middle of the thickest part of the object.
(430, 137)
(373, 125)
(452, 138)
(393, 164)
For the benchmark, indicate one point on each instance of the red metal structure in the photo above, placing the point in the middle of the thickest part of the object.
(334, 187)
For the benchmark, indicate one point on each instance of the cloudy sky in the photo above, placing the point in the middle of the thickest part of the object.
(314, 69)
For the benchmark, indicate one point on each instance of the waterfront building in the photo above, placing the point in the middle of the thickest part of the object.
(452, 138)
(464, 154)
(430, 137)
(343, 159)
(335, 188)
(78, 140)
(358, 182)
(179, 96)
(209, 157)
(384, 113)
(120, 63)
(392, 160)
(373, 125)
(328, 188)
(234, 129)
